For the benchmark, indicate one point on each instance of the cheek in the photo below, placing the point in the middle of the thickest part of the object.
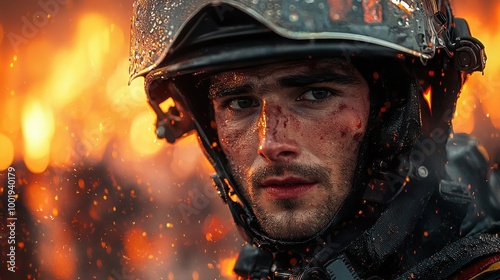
(353, 128)
(344, 125)
(235, 140)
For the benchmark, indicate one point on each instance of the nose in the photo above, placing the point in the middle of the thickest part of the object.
(276, 139)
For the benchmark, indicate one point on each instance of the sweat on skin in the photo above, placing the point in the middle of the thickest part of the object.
(291, 133)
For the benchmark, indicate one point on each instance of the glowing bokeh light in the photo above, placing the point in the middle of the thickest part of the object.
(142, 134)
(6, 153)
(41, 201)
(38, 130)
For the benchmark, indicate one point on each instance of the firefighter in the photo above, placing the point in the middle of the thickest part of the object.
(328, 124)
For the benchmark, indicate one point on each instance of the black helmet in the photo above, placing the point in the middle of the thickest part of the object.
(414, 54)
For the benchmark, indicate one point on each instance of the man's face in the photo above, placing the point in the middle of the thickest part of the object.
(291, 133)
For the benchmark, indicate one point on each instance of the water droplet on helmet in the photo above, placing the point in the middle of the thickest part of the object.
(294, 17)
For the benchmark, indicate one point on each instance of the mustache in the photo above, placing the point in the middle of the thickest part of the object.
(316, 173)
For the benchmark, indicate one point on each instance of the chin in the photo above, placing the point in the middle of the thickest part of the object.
(293, 225)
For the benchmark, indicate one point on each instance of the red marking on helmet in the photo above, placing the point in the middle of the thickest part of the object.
(339, 9)
(372, 10)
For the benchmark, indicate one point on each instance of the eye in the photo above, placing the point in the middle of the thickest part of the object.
(315, 95)
(241, 103)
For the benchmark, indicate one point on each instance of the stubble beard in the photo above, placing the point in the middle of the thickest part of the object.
(298, 218)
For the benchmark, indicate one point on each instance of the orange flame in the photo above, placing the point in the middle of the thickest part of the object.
(480, 90)
(42, 202)
(38, 130)
(59, 256)
(428, 98)
(463, 120)
(7, 155)
(139, 247)
(215, 228)
(226, 267)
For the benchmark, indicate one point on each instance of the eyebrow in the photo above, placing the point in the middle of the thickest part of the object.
(228, 91)
(309, 79)
(290, 82)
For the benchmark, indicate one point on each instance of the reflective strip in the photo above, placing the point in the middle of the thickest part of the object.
(492, 267)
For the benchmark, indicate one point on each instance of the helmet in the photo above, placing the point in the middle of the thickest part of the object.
(177, 44)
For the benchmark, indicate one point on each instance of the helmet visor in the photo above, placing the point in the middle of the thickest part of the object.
(405, 26)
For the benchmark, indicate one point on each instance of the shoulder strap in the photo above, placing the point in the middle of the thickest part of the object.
(373, 247)
(454, 257)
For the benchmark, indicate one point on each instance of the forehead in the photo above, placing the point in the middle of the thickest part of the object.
(275, 71)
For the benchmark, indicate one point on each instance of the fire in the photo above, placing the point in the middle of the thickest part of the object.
(480, 91)
(38, 130)
(226, 267)
(59, 257)
(142, 134)
(80, 67)
(139, 247)
(464, 119)
(215, 228)
(146, 253)
(7, 155)
(41, 200)
(188, 158)
(428, 98)
(68, 90)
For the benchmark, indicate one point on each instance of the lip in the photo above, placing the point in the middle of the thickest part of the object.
(287, 188)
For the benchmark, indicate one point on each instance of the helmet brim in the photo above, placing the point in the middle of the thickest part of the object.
(225, 57)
